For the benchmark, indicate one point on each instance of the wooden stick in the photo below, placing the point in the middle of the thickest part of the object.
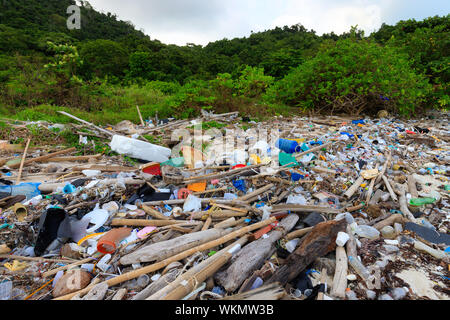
(140, 116)
(39, 259)
(222, 174)
(395, 218)
(323, 278)
(19, 175)
(313, 150)
(340, 274)
(142, 222)
(159, 265)
(304, 208)
(388, 186)
(87, 123)
(349, 193)
(226, 224)
(298, 233)
(372, 183)
(211, 191)
(75, 158)
(256, 192)
(55, 271)
(207, 224)
(388, 159)
(42, 158)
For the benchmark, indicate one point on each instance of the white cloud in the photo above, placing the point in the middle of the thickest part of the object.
(202, 21)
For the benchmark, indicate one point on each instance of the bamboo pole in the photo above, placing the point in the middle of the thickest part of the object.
(140, 116)
(39, 159)
(142, 222)
(154, 213)
(313, 150)
(19, 175)
(55, 271)
(195, 269)
(159, 265)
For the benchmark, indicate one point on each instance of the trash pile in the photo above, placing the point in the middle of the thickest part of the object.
(337, 208)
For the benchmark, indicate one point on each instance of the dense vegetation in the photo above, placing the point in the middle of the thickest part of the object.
(108, 67)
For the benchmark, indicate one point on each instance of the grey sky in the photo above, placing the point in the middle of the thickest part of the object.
(202, 21)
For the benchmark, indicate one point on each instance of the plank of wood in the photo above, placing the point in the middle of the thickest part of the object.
(42, 158)
(317, 243)
(340, 274)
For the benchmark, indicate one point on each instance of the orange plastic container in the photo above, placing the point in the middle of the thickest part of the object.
(108, 243)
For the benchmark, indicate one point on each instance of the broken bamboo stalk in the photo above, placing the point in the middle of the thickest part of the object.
(159, 265)
(39, 159)
(55, 271)
(142, 222)
(196, 268)
(87, 123)
(140, 116)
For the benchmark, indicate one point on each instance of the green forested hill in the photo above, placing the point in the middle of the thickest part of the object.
(403, 68)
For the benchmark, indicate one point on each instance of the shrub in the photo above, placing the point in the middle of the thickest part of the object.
(353, 76)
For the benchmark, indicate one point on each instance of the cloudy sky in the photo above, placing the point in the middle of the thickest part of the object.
(202, 21)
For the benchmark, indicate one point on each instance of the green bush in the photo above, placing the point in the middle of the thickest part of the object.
(353, 76)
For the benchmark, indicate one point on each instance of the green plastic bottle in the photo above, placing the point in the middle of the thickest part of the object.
(421, 201)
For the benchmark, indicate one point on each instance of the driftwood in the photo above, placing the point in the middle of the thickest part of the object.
(383, 170)
(389, 187)
(195, 269)
(22, 161)
(319, 242)
(298, 233)
(142, 222)
(272, 291)
(412, 186)
(340, 274)
(97, 293)
(156, 266)
(164, 249)
(349, 193)
(372, 183)
(154, 287)
(253, 255)
(395, 218)
(304, 208)
(119, 294)
(256, 193)
(401, 191)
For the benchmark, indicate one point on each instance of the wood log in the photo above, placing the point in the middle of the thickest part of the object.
(253, 255)
(340, 274)
(319, 242)
(156, 266)
(162, 250)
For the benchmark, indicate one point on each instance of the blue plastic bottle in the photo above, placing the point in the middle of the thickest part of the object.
(288, 146)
